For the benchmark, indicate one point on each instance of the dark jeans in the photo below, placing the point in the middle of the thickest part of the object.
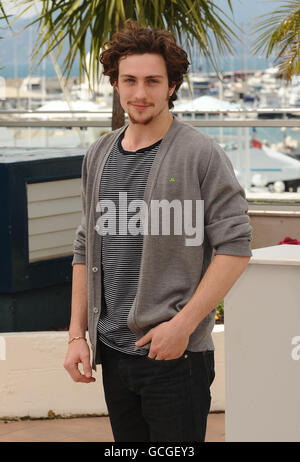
(157, 400)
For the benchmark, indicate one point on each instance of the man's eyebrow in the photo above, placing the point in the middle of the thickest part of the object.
(147, 76)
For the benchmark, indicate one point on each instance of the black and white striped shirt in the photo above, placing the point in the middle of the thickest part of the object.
(124, 171)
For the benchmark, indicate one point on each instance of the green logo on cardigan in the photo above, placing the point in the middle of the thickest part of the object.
(172, 179)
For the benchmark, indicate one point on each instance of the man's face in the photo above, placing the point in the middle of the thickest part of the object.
(143, 87)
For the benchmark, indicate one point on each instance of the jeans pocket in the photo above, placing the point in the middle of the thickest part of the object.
(167, 362)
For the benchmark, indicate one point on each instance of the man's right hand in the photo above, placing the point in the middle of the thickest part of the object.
(79, 352)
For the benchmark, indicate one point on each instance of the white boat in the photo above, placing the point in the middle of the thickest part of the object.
(264, 164)
(205, 104)
(295, 97)
(96, 111)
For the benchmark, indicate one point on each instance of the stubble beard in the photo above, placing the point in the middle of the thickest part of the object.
(147, 121)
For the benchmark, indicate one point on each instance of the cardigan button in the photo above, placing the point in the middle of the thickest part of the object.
(95, 269)
(95, 309)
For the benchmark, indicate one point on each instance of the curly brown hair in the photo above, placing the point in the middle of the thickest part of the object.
(135, 39)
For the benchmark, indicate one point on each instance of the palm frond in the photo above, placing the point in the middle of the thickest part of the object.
(3, 16)
(65, 21)
(279, 33)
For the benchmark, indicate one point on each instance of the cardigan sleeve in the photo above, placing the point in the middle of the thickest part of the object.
(79, 244)
(226, 220)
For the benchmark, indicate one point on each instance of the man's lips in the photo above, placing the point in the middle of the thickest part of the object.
(140, 106)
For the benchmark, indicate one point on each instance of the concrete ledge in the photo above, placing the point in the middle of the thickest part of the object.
(34, 381)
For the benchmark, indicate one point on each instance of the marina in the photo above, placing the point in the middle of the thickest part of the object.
(231, 110)
(262, 151)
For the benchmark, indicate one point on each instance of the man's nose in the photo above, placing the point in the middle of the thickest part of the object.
(140, 92)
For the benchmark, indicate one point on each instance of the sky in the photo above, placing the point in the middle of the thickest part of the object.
(247, 10)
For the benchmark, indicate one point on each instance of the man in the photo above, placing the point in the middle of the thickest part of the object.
(149, 297)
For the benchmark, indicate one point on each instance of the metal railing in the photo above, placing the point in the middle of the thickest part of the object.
(206, 122)
(107, 123)
(259, 110)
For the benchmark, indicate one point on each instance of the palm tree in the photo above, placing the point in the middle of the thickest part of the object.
(3, 16)
(280, 31)
(200, 21)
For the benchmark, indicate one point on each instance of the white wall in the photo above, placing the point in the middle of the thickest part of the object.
(262, 357)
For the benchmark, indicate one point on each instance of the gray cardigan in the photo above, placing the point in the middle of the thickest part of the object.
(170, 270)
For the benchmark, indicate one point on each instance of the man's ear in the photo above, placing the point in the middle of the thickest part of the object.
(115, 85)
(172, 89)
